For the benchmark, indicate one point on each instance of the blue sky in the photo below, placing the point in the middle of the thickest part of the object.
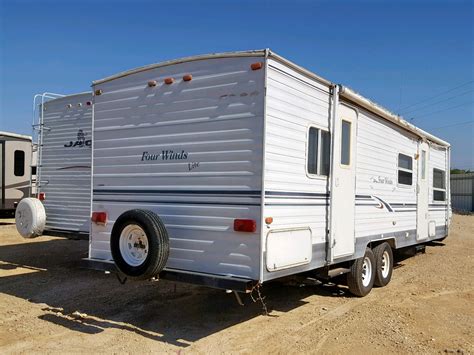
(397, 53)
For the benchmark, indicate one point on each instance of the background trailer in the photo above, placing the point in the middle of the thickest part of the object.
(15, 169)
(64, 134)
(238, 168)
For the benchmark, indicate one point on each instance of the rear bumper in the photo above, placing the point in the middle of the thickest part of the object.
(190, 277)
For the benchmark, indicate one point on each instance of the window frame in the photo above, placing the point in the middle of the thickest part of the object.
(400, 184)
(15, 165)
(444, 190)
(318, 174)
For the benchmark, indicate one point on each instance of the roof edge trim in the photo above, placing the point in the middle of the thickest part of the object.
(371, 106)
(252, 53)
(15, 135)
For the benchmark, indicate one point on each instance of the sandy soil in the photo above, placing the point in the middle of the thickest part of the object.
(50, 305)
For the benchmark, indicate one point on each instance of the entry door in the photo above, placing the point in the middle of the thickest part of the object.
(342, 201)
(422, 192)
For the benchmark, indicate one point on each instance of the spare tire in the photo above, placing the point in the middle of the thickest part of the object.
(139, 244)
(30, 217)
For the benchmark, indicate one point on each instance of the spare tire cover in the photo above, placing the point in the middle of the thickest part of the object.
(30, 217)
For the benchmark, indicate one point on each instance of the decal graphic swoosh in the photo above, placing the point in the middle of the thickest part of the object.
(384, 203)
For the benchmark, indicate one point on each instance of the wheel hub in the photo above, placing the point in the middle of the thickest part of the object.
(385, 267)
(366, 272)
(133, 245)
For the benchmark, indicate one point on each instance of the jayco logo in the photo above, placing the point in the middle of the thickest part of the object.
(165, 155)
(81, 141)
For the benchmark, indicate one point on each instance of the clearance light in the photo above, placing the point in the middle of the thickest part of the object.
(269, 220)
(89, 103)
(41, 196)
(69, 105)
(245, 225)
(256, 66)
(98, 92)
(99, 218)
(79, 104)
(169, 81)
(152, 83)
(188, 77)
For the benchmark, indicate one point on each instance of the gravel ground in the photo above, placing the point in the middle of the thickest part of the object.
(50, 305)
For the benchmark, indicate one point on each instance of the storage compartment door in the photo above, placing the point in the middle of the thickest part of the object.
(288, 248)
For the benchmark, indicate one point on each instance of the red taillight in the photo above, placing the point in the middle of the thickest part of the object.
(99, 218)
(188, 77)
(41, 196)
(169, 81)
(245, 225)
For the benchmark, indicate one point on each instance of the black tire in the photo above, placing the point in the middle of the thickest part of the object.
(158, 244)
(355, 276)
(380, 264)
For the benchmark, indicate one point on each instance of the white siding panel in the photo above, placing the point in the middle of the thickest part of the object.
(216, 121)
(378, 146)
(65, 170)
(293, 104)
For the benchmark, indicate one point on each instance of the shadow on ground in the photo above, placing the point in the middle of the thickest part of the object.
(89, 301)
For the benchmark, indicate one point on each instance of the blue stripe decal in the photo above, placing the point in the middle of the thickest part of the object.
(297, 204)
(178, 202)
(297, 194)
(200, 192)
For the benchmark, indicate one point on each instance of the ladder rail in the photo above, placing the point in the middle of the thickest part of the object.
(37, 135)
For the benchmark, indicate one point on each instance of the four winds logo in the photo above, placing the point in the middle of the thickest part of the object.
(81, 141)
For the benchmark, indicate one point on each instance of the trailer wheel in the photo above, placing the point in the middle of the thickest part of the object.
(139, 244)
(362, 275)
(384, 264)
(30, 217)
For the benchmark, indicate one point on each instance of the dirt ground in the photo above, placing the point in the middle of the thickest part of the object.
(50, 305)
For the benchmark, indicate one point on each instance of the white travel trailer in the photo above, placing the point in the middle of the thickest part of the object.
(233, 169)
(15, 169)
(64, 149)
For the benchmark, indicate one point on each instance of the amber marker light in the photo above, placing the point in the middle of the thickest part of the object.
(188, 77)
(256, 66)
(169, 81)
(269, 220)
(98, 92)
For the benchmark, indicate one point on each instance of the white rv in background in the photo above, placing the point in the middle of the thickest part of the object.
(63, 127)
(233, 169)
(15, 169)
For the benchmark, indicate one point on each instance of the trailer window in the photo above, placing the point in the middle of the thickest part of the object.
(346, 143)
(439, 185)
(318, 151)
(19, 163)
(405, 170)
